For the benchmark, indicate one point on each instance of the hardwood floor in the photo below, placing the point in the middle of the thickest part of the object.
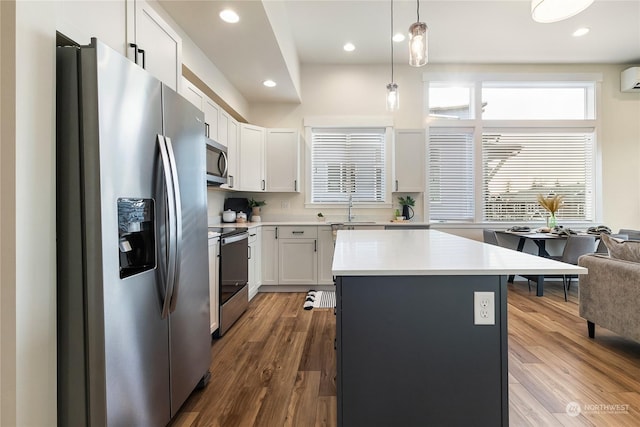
(276, 367)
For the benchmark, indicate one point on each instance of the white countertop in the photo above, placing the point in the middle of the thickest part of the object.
(432, 252)
(312, 223)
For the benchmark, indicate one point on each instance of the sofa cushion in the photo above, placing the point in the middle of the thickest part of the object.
(627, 250)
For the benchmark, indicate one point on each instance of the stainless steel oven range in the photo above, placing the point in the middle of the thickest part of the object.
(234, 275)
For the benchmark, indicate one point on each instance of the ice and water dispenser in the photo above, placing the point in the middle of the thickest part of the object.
(136, 232)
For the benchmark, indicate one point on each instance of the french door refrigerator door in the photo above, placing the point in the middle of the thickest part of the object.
(190, 342)
(125, 341)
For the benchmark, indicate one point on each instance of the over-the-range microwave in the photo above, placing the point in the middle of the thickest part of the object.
(217, 164)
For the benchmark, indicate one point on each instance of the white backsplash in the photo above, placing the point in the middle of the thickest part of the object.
(291, 207)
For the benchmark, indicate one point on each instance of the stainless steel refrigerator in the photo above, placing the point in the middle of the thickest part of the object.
(132, 288)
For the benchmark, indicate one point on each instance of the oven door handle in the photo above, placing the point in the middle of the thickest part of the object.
(233, 239)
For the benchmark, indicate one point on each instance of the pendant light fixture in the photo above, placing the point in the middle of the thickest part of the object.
(418, 41)
(546, 11)
(393, 99)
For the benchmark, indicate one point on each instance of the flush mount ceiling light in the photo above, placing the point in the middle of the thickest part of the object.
(546, 11)
(269, 83)
(580, 32)
(349, 47)
(398, 37)
(393, 99)
(418, 41)
(229, 16)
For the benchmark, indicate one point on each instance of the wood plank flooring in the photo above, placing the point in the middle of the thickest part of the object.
(276, 367)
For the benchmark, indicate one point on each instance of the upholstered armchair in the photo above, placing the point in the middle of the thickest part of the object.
(609, 295)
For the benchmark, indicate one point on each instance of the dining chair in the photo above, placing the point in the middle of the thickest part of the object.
(489, 236)
(631, 234)
(576, 246)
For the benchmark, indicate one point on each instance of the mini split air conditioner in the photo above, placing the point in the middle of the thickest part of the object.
(630, 80)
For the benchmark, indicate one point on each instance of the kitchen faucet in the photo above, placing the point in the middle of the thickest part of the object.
(350, 217)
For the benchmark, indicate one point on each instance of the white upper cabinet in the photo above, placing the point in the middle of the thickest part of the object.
(409, 168)
(211, 114)
(223, 127)
(157, 47)
(283, 160)
(251, 158)
(192, 93)
(233, 153)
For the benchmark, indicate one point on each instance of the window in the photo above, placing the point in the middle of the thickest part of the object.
(450, 155)
(535, 101)
(450, 101)
(348, 163)
(531, 137)
(519, 166)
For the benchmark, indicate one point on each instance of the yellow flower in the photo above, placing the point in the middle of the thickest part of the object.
(551, 203)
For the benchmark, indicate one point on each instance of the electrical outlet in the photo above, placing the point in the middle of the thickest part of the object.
(484, 308)
(284, 204)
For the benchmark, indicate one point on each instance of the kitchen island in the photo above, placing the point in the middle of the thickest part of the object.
(422, 327)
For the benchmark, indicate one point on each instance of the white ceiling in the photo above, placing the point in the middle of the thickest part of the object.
(472, 31)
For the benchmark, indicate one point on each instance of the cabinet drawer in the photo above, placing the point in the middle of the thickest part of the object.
(292, 232)
(253, 236)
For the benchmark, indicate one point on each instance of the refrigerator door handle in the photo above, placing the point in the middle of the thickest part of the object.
(178, 222)
(171, 226)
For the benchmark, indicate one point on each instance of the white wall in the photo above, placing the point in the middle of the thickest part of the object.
(360, 90)
(28, 213)
(7, 216)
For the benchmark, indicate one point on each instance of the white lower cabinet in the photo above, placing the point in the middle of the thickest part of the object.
(297, 255)
(255, 261)
(214, 292)
(325, 255)
(298, 262)
(269, 255)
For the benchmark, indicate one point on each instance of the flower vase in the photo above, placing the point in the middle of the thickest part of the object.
(551, 220)
(255, 210)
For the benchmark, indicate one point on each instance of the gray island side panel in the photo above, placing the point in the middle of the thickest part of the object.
(409, 354)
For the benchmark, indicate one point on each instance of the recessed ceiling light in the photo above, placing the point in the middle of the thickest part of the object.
(229, 16)
(580, 32)
(349, 47)
(398, 37)
(269, 83)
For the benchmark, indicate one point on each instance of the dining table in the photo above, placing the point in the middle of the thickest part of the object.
(540, 239)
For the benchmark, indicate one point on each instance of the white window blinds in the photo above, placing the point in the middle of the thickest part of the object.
(450, 172)
(348, 162)
(519, 165)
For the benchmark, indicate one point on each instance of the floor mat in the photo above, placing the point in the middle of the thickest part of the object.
(320, 299)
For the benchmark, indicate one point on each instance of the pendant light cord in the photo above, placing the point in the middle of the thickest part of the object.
(392, 41)
(418, 9)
